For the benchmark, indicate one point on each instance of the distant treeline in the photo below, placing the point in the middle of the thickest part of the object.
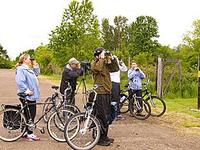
(80, 33)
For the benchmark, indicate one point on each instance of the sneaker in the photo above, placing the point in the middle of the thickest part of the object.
(32, 137)
(103, 143)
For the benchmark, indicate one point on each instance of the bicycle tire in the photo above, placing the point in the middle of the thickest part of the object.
(155, 111)
(79, 120)
(56, 124)
(46, 107)
(14, 122)
(72, 107)
(146, 111)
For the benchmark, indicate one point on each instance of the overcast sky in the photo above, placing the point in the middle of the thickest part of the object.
(25, 24)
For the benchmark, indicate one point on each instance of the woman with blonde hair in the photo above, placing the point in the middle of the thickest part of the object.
(27, 71)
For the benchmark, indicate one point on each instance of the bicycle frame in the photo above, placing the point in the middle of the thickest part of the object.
(46, 111)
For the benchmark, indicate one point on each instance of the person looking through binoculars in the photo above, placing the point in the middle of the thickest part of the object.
(101, 67)
(69, 76)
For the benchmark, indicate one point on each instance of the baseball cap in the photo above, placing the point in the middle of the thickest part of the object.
(98, 51)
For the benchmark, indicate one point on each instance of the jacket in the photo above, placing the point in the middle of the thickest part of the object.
(101, 74)
(69, 76)
(26, 79)
(135, 79)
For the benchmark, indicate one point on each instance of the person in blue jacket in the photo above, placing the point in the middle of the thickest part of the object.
(135, 77)
(27, 71)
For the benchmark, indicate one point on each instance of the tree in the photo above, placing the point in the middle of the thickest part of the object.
(4, 58)
(78, 34)
(3, 53)
(43, 55)
(107, 35)
(143, 34)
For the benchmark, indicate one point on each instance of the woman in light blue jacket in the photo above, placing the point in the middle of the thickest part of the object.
(135, 77)
(27, 71)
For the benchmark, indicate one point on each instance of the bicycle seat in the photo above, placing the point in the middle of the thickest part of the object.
(55, 87)
(22, 95)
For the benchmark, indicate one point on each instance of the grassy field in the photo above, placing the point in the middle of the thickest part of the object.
(188, 106)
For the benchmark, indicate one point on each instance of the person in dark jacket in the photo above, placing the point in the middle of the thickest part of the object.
(69, 76)
(101, 68)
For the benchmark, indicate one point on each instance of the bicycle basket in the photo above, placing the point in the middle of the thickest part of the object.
(10, 119)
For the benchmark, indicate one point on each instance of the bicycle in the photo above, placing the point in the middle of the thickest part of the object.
(82, 131)
(62, 99)
(13, 122)
(158, 106)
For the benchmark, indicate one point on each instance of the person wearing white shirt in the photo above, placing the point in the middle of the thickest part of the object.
(115, 93)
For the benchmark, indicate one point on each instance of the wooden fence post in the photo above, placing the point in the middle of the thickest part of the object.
(159, 77)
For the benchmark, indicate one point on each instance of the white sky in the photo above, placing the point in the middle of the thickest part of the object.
(25, 24)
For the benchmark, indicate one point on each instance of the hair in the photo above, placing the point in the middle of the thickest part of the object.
(133, 61)
(21, 59)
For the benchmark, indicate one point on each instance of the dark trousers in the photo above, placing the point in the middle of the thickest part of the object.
(102, 110)
(138, 95)
(32, 109)
(115, 94)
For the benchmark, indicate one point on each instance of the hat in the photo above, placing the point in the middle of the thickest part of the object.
(73, 61)
(98, 51)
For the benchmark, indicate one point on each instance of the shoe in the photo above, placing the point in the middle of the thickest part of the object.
(111, 140)
(32, 137)
(104, 143)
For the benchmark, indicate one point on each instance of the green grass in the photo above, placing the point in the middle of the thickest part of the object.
(53, 78)
(183, 106)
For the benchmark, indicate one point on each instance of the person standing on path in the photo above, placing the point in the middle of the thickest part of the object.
(115, 94)
(101, 68)
(27, 82)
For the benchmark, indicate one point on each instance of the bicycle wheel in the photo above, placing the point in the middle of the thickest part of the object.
(56, 124)
(123, 104)
(139, 112)
(158, 106)
(72, 107)
(12, 124)
(82, 132)
(45, 108)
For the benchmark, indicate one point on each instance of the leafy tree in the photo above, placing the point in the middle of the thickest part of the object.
(4, 58)
(78, 34)
(107, 35)
(143, 34)
(43, 55)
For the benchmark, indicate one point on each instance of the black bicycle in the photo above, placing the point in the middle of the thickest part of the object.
(62, 100)
(158, 106)
(13, 122)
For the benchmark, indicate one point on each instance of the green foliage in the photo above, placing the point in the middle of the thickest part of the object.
(5, 61)
(78, 35)
(143, 34)
(44, 56)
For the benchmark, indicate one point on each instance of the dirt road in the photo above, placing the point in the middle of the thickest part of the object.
(129, 134)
